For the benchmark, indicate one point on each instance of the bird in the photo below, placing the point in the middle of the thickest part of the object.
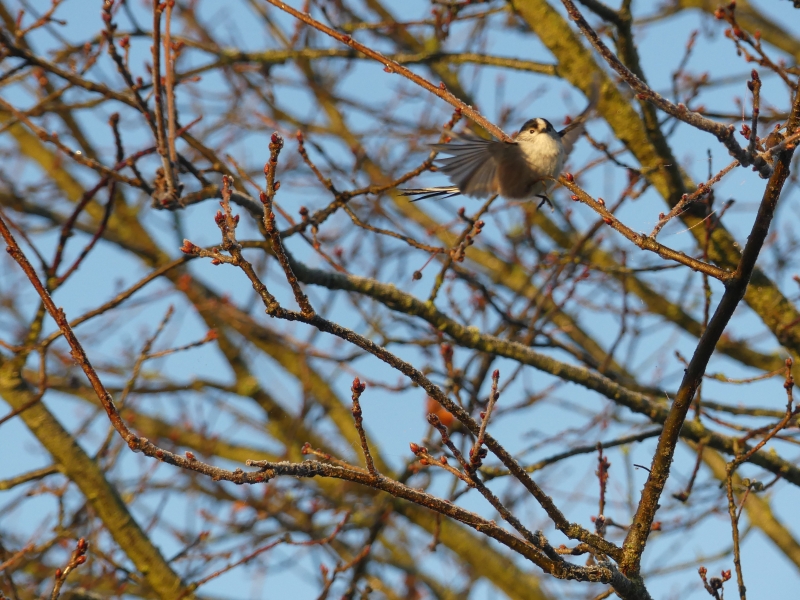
(522, 169)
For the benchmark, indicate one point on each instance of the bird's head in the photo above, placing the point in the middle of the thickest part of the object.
(534, 127)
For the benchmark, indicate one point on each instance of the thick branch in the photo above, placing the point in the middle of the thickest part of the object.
(734, 292)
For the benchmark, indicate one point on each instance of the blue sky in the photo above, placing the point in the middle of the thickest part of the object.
(397, 419)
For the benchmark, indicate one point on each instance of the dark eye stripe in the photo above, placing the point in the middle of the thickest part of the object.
(537, 125)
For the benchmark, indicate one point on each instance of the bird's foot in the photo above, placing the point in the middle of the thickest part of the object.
(545, 200)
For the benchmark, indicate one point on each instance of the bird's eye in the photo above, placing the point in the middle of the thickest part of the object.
(532, 131)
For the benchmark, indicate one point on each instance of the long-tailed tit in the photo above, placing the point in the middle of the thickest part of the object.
(523, 169)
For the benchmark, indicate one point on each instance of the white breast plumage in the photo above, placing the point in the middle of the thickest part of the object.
(544, 153)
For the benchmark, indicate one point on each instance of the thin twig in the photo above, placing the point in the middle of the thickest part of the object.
(754, 85)
(724, 134)
(641, 240)
(687, 200)
(475, 454)
(395, 67)
(463, 241)
(358, 389)
(78, 558)
(267, 199)
(169, 83)
(166, 186)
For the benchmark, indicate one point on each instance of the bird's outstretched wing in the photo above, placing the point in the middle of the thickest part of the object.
(571, 133)
(473, 164)
(472, 168)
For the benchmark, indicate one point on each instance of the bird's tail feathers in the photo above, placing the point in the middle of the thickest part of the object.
(431, 192)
